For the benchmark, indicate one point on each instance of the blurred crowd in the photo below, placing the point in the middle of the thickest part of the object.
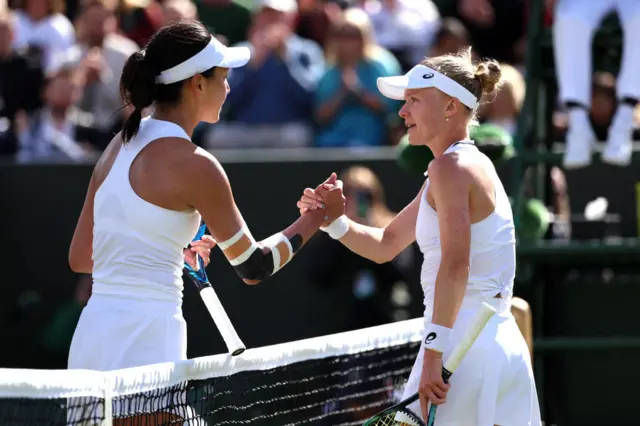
(312, 78)
(311, 81)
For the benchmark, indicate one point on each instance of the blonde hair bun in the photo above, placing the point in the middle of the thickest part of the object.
(489, 75)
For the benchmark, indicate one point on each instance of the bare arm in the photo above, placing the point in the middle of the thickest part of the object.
(382, 244)
(211, 195)
(450, 188)
(81, 248)
(327, 110)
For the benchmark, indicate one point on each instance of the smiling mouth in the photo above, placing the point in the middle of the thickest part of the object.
(410, 126)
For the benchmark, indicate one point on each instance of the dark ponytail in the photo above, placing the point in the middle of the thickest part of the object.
(168, 47)
(137, 87)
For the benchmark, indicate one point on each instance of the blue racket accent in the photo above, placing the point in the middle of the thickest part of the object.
(199, 277)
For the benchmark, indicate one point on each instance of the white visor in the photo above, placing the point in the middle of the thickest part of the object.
(422, 77)
(215, 54)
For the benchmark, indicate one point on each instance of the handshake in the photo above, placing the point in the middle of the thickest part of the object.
(328, 196)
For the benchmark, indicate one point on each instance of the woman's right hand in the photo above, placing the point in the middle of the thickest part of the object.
(312, 201)
(328, 195)
(309, 201)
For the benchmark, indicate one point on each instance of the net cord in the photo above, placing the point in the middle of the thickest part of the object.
(23, 383)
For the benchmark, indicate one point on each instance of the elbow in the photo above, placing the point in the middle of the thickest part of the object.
(382, 259)
(388, 250)
(78, 265)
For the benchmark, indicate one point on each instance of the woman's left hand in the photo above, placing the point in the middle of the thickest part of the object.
(201, 247)
(432, 388)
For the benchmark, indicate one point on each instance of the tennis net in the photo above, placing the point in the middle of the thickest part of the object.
(339, 379)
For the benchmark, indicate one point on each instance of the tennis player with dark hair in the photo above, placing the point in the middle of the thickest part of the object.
(145, 201)
(463, 223)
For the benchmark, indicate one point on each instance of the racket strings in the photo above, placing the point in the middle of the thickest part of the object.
(397, 418)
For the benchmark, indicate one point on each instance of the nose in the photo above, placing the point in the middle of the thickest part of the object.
(227, 87)
(404, 111)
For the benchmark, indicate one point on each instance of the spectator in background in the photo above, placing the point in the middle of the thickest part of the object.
(105, 53)
(20, 84)
(405, 27)
(177, 10)
(41, 24)
(270, 102)
(52, 133)
(348, 106)
(495, 26)
(225, 18)
(575, 22)
(452, 37)
(315, 18)
(139, 19)
(505, 109)
(379, 293)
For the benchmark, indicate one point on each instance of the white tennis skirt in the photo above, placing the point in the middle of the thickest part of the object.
(115, 332)
(494, 384)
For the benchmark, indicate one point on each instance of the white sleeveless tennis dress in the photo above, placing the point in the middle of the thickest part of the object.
(134, 316)
(494, 384)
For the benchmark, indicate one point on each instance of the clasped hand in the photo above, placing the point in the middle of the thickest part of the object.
(328, 195)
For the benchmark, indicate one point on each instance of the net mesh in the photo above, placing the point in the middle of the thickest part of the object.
(341, 379)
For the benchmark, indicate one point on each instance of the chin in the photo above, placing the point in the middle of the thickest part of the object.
(415, 139)
(213, 119)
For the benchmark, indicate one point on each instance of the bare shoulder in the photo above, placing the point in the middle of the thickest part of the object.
(198, 169)
(450, 170)
(107, 158)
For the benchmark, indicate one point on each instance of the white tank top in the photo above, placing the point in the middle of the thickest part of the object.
(138, 246)
(492, 255)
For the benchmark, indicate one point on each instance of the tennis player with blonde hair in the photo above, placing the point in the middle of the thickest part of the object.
(463, 223)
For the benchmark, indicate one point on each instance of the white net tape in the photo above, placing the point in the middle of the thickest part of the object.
(347, 348)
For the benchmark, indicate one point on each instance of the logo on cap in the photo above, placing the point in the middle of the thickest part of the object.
(430, 338)
(427, 75)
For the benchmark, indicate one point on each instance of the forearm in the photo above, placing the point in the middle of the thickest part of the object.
(451, 284)
(330, 108)
(366, 241)
(304, 228)
(255, 261)
(372, 102)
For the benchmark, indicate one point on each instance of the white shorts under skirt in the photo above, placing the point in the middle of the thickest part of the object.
(494, 384)
(115, 333)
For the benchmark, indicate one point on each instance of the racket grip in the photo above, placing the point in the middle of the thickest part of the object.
(220, 317)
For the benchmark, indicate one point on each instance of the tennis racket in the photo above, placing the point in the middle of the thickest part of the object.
(481, 319)
(212, 302)
(399, 414)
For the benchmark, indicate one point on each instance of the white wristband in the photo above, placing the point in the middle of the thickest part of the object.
(436, 337)
(337, 228)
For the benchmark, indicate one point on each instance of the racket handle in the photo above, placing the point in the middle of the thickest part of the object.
(458, 353)
(220, 317)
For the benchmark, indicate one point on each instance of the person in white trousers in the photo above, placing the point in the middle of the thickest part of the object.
(575, 23)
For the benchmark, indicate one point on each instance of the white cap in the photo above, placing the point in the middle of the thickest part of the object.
(422, 77)
(286, 6)
(215, 54)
